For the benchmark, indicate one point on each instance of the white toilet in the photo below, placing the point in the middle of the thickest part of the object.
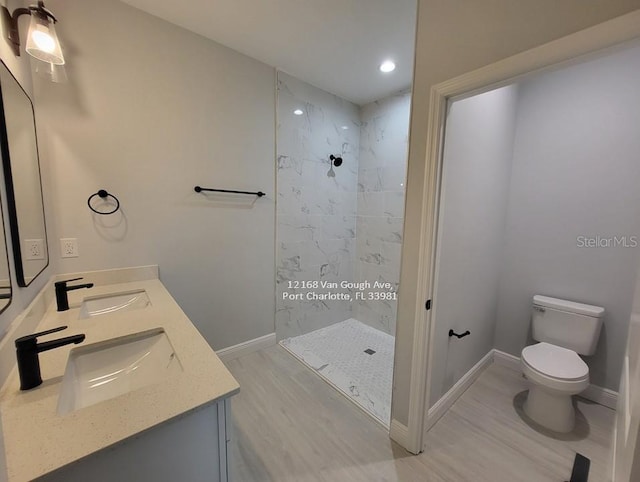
(553, 367)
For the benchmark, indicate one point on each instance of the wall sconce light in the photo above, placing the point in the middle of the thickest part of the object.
(42, 41)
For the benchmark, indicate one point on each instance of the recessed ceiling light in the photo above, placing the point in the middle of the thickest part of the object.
(298, 112)
(387, 66)
(344, 128)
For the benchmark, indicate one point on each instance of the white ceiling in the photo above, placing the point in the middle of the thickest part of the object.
(336, 45)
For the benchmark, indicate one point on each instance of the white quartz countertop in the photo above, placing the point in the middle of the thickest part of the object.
(38, 440)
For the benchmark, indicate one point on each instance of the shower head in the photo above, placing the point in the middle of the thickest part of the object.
(335, 161)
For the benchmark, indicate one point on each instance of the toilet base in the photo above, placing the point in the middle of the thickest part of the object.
(552, 410)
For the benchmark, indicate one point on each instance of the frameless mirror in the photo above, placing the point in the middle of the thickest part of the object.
(22, 177)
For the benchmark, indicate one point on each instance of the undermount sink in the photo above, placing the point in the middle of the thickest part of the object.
(111, 368)
(114, 302)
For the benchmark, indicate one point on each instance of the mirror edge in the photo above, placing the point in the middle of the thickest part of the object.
(6, 253)
(11, 200)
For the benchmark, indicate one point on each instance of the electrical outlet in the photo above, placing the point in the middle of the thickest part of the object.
(69, 248)
(34, 249)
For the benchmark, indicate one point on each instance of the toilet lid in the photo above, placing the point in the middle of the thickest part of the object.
(555, 361)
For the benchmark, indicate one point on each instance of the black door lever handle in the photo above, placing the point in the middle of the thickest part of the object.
(453, 333)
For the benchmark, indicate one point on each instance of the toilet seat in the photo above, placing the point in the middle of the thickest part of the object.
(555, 362)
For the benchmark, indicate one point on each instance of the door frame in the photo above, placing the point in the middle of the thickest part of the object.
(575, 48)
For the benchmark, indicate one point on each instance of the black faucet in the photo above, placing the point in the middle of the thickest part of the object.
(62, 289)
(27, 349)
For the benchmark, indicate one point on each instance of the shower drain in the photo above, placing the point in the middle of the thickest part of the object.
(369, 351)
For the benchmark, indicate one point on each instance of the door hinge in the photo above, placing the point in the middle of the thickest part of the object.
(428, 305)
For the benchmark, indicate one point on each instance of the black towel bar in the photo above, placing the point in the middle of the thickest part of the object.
(200, 189)
(453, 333)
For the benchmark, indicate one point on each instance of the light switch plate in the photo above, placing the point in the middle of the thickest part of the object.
(69, 247)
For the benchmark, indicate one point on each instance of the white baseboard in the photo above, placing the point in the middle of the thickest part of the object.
(506, 360)
(246, 347)
(399, 432)
(594, 393)
(601, 396)
(440, 408)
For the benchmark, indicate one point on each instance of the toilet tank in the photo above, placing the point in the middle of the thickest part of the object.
(572, 325)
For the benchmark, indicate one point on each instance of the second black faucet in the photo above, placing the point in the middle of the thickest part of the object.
(62, 289)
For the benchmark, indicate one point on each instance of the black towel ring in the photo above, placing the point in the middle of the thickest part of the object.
(103, 194)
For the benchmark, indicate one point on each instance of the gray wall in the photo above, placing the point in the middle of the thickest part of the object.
(150, 111)
(455, 37)
(477, 167)
(576, 172)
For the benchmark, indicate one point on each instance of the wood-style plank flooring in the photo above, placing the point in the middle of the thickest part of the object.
(289, 425)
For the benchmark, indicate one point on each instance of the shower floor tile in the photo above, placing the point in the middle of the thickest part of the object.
(355, 359)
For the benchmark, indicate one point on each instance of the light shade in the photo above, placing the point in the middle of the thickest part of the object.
(42, 41)
(52, 72)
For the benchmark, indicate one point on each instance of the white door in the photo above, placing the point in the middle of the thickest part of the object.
(626, 455)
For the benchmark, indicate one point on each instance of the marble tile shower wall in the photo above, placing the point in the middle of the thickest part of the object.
(380, 212)
(346, 227)
(316, 212)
